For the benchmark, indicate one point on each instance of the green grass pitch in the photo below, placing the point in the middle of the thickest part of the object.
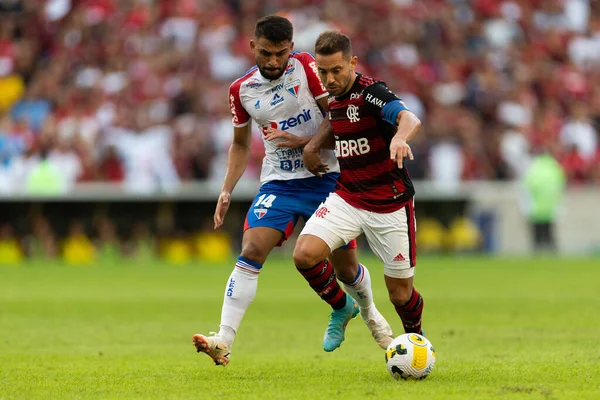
(502, 329)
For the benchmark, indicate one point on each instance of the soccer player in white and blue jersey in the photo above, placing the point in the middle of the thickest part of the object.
(284, 96)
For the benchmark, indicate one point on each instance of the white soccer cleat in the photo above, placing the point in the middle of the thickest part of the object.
(213, 346)
(379, 327)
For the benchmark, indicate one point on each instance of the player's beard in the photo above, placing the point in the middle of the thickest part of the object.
(342, 88)
(271, 74)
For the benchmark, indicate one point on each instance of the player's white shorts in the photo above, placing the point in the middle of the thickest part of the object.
(391, 236)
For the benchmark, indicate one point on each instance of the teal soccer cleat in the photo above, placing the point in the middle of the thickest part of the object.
(338, 319)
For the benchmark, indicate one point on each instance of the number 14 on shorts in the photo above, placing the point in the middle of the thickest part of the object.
(265, 200)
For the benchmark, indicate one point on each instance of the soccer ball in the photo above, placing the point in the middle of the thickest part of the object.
(410, 356)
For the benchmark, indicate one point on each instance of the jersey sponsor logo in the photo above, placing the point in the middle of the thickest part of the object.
(232, 109)
(257, 105)
(289, 154)
(351, 147)
(277, 99)
(277, 88)
(375, 100)
(254, 84)
(304, 116)
(260, 212)
(289, 69)
(355, 95)
(293, 87)
(291, 122)
(352, 113)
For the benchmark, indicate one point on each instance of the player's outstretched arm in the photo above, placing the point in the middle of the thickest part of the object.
(408, 125)
(286, 139)
(237, 161)
(324, 139)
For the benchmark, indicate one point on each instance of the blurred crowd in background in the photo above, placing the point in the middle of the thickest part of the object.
(135, 91)
(108, 233)
(130, 233)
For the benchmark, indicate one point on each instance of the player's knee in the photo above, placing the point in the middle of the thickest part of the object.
(400, 294)
(344, 270)
(345, 264)
(304, 256)
(253, 251)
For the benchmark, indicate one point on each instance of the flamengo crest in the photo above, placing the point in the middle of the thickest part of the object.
(352, 113)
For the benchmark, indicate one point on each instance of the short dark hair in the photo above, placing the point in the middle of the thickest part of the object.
(274, 28)
(331, 42)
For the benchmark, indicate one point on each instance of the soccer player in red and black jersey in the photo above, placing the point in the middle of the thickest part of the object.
(369, 127)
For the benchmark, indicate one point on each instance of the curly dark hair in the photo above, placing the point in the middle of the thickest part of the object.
(274, 28)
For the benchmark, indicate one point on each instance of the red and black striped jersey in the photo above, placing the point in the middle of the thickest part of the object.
(369, 179)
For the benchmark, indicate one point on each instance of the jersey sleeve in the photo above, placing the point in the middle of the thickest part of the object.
(381, 101)
(314, 83)
(240, 116)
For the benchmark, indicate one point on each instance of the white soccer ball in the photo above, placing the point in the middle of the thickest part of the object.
(410, 356)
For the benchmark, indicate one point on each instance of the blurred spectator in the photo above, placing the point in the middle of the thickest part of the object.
(46, 177)
(579, 132)
(463, 236)
(108, 244)
(68, 163)
(11, 252)
(544, 182)
(177, 249)
(212, 246)
(78, 248)
(146, 149)
(143, 248)
(33, 108)
(12, 85)
(41, 244)
(430, 236)
(12, 164)
(111, 168)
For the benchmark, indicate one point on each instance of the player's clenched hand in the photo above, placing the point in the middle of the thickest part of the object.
(286, 139)
(222, 207)
(313, 163)
(399, 149)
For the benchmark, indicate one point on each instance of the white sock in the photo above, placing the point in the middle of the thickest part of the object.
(239, 294)
(360, 290)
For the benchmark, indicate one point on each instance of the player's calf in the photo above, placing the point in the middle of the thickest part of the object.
(411, 313)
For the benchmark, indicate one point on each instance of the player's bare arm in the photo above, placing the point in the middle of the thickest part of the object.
(286, 139)
(328, 140)
(290, 140)
(408, 125)
(324, 139)
(237, 161)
